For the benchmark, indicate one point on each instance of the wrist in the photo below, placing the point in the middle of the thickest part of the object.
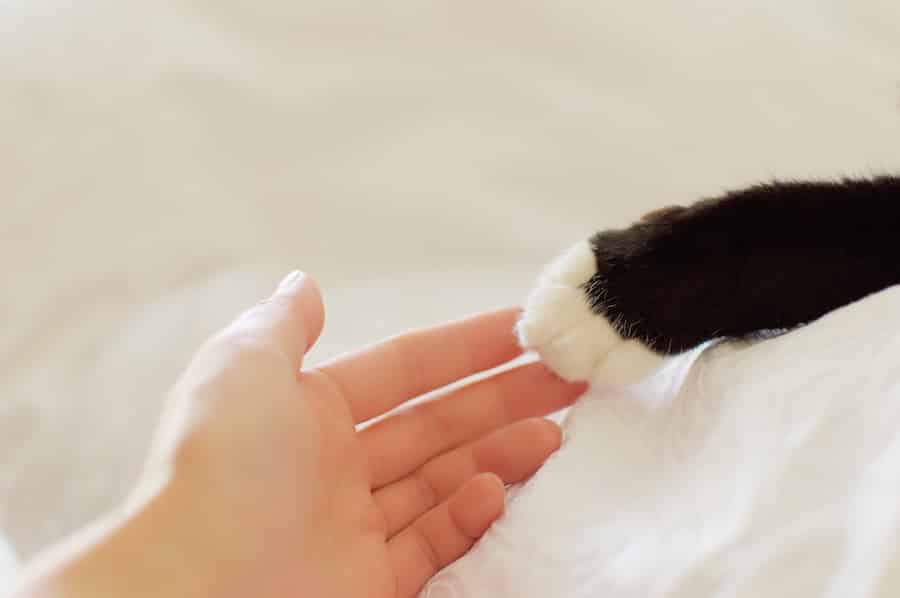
(164, 546)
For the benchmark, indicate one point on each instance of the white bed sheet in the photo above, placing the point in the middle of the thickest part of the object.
(746, 470)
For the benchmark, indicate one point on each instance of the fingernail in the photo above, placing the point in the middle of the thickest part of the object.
(289, 281)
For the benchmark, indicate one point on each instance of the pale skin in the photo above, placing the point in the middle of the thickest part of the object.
(265, 480)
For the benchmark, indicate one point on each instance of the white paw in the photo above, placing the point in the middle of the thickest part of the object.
(572, 340)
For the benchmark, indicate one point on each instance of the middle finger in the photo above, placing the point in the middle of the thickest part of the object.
(400, 444)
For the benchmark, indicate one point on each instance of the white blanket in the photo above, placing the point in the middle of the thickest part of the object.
(747, 470)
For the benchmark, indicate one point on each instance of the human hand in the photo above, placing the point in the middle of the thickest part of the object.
(264, 483)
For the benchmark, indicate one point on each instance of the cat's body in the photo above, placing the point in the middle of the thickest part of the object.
(768, 257)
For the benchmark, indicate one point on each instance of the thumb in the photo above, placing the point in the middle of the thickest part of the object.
(289, 321)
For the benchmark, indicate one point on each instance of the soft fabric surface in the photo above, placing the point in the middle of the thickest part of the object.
(7, 567)
(163, 163)
(770, 469)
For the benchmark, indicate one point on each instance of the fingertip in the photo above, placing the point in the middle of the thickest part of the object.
(572, 388)
(287, 283)
(304, 293)
(493, 482)
(567, 391)
(578, 388)
(478, 504)
(315, 308)
(548, 433)
(493, 338)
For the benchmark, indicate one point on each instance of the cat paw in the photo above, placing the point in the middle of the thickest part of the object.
(570, 337)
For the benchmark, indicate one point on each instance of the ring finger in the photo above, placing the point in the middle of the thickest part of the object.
(513, 453)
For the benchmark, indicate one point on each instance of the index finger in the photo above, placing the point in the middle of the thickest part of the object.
(376, 379)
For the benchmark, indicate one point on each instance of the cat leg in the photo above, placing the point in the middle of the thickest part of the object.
(573, 339)
(766, 257)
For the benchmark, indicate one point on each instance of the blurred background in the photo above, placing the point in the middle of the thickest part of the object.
(163, 164)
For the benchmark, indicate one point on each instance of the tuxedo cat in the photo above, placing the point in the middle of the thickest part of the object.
(768, 257)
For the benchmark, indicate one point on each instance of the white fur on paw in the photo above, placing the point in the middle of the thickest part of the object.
(570, 338)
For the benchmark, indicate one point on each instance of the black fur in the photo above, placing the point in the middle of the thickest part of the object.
(768, 257)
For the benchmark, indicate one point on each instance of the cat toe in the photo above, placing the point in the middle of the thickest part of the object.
(572, 339)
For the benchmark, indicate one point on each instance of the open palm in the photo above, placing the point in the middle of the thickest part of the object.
(321, 499)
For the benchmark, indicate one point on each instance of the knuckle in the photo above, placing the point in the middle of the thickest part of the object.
(425, 488)
(428, 551)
